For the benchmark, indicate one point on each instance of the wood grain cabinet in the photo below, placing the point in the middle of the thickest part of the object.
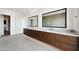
(64, 42)
(65, 46)
(67, 39)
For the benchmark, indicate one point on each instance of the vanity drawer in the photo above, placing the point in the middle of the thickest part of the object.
(67, 39)
(46, 37)
(65, 46)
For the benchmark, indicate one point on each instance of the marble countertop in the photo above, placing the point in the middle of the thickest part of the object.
(58, 31)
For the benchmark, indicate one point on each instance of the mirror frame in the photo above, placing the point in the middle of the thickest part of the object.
(53, 12)
(29, 18)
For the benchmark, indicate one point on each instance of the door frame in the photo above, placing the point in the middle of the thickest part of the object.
(2, 24)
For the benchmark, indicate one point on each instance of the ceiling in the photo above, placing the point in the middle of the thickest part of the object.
(20, 10)
(23, 11)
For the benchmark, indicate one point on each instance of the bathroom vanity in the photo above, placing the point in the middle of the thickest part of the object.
(63, 39)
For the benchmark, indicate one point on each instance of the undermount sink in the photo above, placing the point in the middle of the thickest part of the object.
(50, 29)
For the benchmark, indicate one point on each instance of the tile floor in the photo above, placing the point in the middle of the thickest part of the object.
(21, 42)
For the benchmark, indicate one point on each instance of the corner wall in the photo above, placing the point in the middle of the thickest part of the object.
(16, 21)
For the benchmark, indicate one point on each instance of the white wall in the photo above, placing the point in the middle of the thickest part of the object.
(20, 23)
(71, 12)
(39, 12)
(16, 21)
(70, 18)
(73, 18)
(0, 25)
(76, 19)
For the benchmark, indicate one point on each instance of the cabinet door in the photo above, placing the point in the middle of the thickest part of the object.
(65, 46)
(67, 39)
(26, 31)
(45, 37)
(51, 38)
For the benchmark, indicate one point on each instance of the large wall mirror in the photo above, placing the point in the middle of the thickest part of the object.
(55, 19)
(33, 21)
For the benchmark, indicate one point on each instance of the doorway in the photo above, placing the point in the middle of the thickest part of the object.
(6, 22)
